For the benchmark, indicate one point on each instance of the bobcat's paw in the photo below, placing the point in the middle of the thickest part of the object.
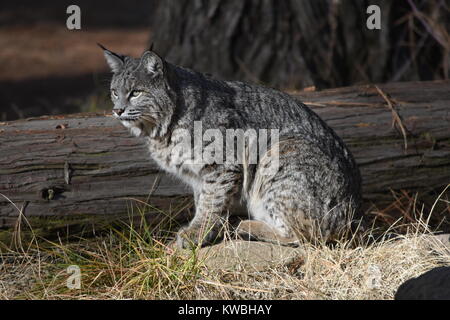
(191, 237)
(260, 231)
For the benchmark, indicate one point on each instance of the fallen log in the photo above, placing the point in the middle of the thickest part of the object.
(77, 170)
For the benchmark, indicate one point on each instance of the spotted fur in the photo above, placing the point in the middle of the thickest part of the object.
(316, 186)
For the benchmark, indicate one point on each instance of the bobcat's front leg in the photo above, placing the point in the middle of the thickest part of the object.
(211, 206)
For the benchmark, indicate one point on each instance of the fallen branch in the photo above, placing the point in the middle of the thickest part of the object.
(82, 170)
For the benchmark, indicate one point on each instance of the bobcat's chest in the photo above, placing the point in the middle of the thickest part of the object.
(176, 161)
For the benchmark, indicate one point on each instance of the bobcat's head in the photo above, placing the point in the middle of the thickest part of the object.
(140, 92)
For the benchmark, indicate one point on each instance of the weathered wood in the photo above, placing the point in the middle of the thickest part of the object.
(79, 169)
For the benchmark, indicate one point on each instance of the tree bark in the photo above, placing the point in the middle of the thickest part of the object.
(85, 169)
(295, 44)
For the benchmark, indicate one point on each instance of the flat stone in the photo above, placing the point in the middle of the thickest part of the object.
(246, 255)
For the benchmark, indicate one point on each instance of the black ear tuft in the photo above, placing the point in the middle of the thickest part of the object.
(114, 60)
(101, 46)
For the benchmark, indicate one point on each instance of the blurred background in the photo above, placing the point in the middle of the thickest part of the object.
(291, 44)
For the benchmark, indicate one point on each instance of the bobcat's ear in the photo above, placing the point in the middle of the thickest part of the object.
(152, 63)
(114, 60)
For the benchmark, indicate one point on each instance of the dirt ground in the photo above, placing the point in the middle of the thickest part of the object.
(50, 50)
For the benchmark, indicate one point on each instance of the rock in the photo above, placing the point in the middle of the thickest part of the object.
(432, 285)
(246, 255)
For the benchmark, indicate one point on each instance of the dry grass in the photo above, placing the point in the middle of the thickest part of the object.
(126, 264)
(114, 267)
(372, 272)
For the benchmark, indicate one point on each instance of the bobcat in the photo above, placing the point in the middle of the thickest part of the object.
(314, 189)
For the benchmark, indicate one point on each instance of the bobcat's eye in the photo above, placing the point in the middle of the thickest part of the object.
(135, 93)
(114, 93)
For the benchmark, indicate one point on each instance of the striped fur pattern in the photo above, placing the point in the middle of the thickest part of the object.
(316, 184)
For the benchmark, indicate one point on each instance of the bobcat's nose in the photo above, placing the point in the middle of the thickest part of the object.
(118, 112)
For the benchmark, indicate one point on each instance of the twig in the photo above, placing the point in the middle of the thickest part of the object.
(395, 115)
(430, 29)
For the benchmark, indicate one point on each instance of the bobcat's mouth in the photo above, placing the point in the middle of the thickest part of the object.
(138, 123)
(129, 118)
